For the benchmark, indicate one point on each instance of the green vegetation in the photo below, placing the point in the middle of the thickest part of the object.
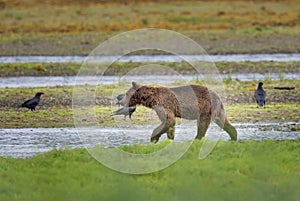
(120, 68)
(63, 117)
(247, 171)
(39, 69)
(55, 108)
(76, 28)
(271, 113)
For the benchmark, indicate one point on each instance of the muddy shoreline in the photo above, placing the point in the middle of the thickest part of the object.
(65, 45)
(237, 92)
(119, 68)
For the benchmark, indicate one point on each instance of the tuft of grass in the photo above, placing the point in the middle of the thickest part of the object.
(228, 80)
(145, 149)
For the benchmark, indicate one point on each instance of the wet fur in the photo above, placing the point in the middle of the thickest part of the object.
(188, 102)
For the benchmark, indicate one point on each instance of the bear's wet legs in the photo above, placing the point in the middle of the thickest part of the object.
(202, 126)
(167, 125)
(170, 133)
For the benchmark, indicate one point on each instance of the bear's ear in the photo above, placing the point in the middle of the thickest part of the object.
(136, 85)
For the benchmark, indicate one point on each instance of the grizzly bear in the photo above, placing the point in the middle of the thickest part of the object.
(188, 102)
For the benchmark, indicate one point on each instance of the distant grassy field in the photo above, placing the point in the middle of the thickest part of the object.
(75, 28)
(109, 17)
(245, 171)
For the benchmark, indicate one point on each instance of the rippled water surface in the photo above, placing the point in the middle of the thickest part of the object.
(27, 142)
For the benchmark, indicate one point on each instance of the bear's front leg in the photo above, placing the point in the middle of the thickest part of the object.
(158, 131)
(167, 125)
(171, 132)
(202, 124)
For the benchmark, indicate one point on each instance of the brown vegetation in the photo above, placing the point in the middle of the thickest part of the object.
(59, 16)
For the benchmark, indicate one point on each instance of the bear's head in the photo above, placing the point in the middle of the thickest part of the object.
(131, 96)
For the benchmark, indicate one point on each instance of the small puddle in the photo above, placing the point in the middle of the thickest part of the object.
(27, 142)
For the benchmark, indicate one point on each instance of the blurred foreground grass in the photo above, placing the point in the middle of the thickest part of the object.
(260, 171)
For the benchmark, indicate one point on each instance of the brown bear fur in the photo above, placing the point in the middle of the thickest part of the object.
(188, 102)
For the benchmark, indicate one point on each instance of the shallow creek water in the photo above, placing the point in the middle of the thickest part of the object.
(48, 81)
(27, 142)
(279, 57)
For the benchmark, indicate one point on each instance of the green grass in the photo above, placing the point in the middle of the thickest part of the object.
(55, 108)
(247, 171)
(63, 117)
(39, 69)
(121, 68)
(271, 113)
(194, 20)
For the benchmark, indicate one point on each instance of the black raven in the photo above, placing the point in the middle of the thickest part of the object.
(119, 98)
(125, 111)
(32, 103)
(260, 95)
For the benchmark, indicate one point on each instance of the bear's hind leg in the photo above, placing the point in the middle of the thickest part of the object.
(228, 128)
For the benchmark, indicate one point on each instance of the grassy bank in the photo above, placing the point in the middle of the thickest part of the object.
(237, 92)
(76, 28)
(119, 68)
(63, 117)
(55, 108)
(245, 171)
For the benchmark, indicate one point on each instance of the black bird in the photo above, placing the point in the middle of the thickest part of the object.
(32, 103)
(260, 95)
(119, 98)
(125, 111)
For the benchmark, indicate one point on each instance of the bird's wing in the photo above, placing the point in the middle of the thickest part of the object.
(25, 103)
(120, 97)
(124, 110)
(260, 96)
(264, 94)
(132, 109)
(256, 94)
(31, 103)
